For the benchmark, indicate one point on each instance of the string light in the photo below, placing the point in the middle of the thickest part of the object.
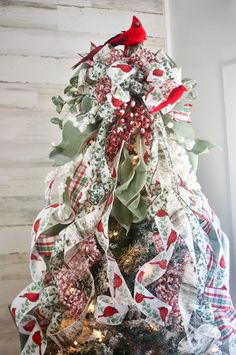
(98, 335)
(91, 307)
(75, 343)
(72, 290)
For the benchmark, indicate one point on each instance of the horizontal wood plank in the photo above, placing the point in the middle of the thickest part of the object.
(149, 6)
(10, 288)
(9, 343)
(64, 18)
(27, 182)
(15, 238)
(21, 126)
(24, 155)
(20, 210)
(7, 327)
(58, 44)
(14, 266)
(17, 68)
(28, 97)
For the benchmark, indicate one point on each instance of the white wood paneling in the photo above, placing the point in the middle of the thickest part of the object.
(62, 44)
(150, 6)
(39, 42)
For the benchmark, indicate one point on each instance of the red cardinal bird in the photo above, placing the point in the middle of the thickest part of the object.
(140, 276)
(174, 96)
(54, 205)
(161, 213)
(139, 297)
(108, 312)
(172, 238)
(29, 326)
(158, 72)
(110, 200)
(13, 312)
(117, 282)
(163, 313)
(36, 225)
(116, 102)
(114, 174)
(37, 339)
(124, 67)
(146, 157)
(161, 263)
(34, 257)
(132, 37)
(101, 229)
(32, 297)
(222, 262)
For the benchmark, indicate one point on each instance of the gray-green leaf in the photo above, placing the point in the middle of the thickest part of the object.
(201, 146)
(72, 139)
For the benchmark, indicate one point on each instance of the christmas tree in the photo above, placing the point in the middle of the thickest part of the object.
(129, 258)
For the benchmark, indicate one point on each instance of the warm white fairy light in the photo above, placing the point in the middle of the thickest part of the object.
(214, 349)
(75, 343)
(98, 335)
(91, 307)
(72, 290)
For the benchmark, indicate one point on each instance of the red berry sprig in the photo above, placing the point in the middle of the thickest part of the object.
(130, 119)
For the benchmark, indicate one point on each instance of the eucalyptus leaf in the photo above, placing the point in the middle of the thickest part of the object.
(86, 104)
(68, 91)
(73, 109)
(56, 120)
(183, 129)
(74, 81)
(201, 146)
(72, 139)
(58, 102)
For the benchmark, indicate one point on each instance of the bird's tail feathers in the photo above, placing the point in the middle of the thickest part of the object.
(90, 55)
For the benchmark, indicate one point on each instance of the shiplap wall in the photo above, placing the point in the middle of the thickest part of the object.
(39, 42)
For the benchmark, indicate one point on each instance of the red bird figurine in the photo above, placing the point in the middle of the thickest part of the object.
(132, 37)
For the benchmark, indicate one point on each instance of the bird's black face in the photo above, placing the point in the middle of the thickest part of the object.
(137, 24)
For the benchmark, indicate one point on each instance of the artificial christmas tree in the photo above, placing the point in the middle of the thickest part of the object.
(130, 258)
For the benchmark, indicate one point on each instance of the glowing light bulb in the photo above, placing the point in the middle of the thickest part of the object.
(98, 335)
(91, 307)
(72, 290)
(75, 343)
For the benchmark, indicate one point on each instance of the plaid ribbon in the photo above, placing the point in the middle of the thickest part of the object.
(224, 311)
(77, 184)
(45, 244)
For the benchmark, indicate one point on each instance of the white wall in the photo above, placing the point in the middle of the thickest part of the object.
(202, 40)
